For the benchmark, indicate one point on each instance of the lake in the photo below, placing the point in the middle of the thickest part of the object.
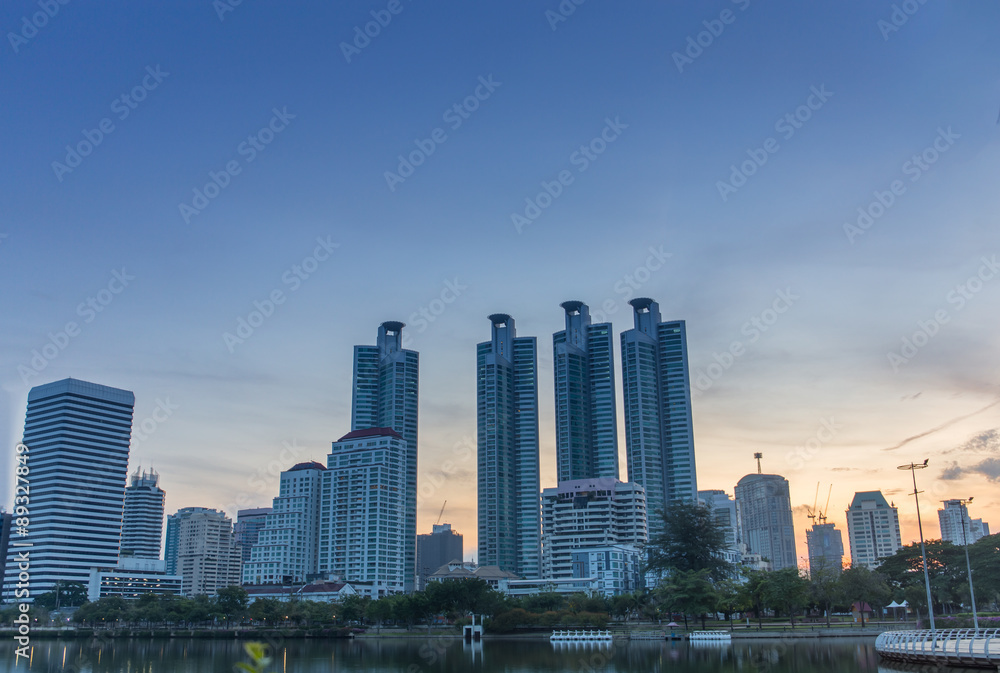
(437, 655)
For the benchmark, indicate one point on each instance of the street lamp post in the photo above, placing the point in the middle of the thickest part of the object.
(913, 467)
(968, 564)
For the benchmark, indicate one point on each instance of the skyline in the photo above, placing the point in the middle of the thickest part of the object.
(611, 149)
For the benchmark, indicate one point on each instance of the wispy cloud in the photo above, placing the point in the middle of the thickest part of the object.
(989, 468)
(941, 427)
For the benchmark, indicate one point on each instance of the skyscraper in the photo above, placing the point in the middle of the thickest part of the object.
(202, 550)
(508, 482)
(363, 496)
(659, 436)
(766, 518)
(386, 384)
(142, 520)
(872, 528)
(287, 547)
(442, 545)
(77, 434)
(586, 420)
(826, 548)
(727, 513)
(249, 523)
(957, 527)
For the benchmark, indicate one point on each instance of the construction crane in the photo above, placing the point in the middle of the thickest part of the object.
(441, 514)
(826, 507)
(812, 512)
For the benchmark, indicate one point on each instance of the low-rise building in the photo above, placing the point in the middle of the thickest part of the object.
(132, 578)
(322, 592)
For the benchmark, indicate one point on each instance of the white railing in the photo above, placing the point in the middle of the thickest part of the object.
(951, 646)
(580, 636)
(710, 635)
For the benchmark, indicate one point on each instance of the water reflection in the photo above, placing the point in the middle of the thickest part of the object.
(438, 655)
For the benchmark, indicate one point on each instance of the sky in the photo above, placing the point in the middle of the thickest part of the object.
(211, 203)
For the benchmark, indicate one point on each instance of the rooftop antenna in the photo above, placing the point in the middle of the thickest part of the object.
(757, 456)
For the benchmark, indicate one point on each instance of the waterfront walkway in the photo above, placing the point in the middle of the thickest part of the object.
(949, 647)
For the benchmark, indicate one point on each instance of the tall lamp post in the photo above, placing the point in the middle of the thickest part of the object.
(913, 467)
(968, 564)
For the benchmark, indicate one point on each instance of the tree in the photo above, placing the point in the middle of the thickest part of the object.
(379, 611)
(865, 586)
(825, 588)
(727, 598)
(65, 595)
(691, 539)
(786, 591)
(232, 602)
(752, 594)
(268, 610)
(689, 592)
(353, 608)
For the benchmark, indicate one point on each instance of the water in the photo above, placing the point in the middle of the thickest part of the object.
(433, 655)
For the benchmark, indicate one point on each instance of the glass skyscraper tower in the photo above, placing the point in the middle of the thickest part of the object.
(507, 439)
(659, 438)
(586, 420)
(78, 435)
(386, 378)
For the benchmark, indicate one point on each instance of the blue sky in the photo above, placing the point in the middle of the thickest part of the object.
(888, 94)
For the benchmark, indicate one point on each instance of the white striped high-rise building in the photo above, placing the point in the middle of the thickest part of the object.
(957, 527)
(507, 437)
(77, 434)
(583, 364)
(386, 388)
(142, 520)
(656, 387)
